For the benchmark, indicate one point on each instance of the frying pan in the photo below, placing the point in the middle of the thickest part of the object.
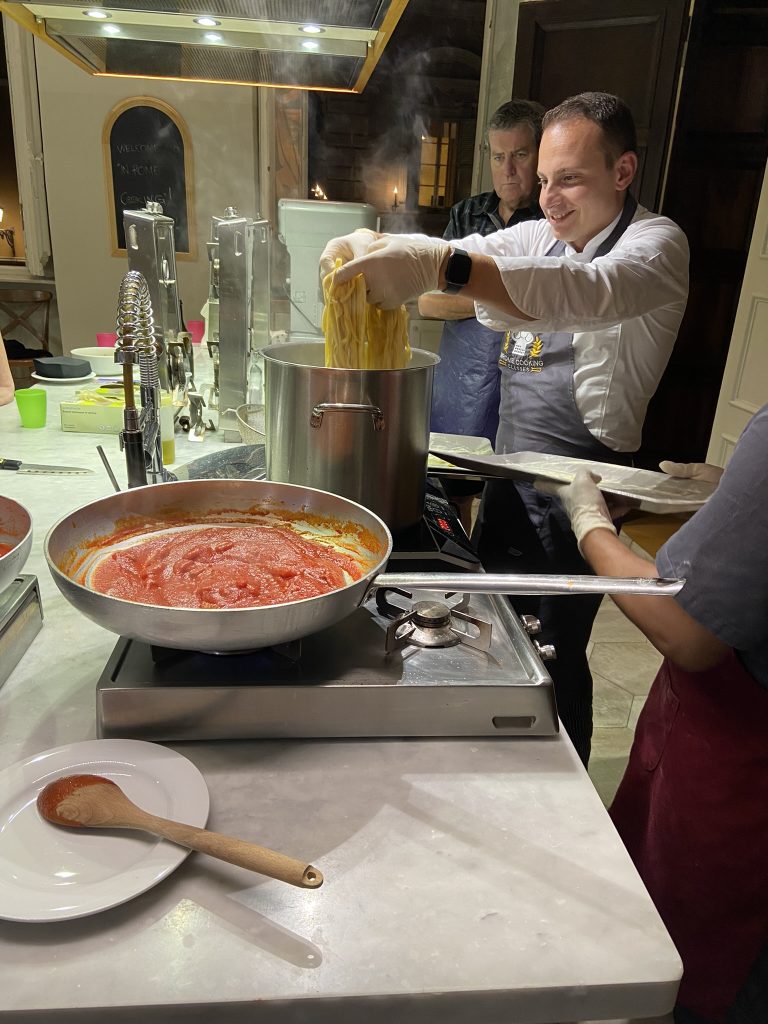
(15, 530)
(243, 629)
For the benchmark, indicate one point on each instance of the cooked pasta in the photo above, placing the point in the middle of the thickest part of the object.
(359, 336)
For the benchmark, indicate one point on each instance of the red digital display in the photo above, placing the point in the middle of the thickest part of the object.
(445, 526)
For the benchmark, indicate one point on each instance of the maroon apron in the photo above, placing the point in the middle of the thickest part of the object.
(692, 810)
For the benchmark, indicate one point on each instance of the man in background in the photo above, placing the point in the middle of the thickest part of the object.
(466, 391)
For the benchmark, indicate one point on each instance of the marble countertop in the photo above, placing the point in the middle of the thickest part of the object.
(464, 878)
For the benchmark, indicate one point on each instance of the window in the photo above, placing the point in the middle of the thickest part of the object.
(437, 169)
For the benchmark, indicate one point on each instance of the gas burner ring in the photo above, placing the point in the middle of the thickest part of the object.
(432, 624)
(431, 615)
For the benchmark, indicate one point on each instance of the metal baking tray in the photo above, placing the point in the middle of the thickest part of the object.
(457, 444)
(640, 488)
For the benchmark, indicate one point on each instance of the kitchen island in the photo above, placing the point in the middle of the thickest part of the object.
(464, 879)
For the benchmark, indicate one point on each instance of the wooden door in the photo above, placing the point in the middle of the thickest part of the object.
(714, 161)
(745, 381)
(713, 185)
(630, 49)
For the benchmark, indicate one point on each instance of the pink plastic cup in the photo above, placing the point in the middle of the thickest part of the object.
(196, 330)
(105, 339)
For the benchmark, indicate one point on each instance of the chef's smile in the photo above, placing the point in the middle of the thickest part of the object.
(583, 186)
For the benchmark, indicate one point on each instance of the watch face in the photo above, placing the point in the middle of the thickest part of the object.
(457, 270)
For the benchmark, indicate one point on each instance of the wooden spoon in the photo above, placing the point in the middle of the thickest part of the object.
(91, 801)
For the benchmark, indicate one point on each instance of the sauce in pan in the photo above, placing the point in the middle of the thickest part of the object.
(5, 548)
(223, 567)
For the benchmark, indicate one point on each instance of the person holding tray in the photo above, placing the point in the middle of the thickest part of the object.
(692, 807)
(591, 299)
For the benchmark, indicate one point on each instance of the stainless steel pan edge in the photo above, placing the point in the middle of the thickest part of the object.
(203, 629)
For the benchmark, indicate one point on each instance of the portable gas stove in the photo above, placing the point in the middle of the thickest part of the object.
(21, 618)
(434, 665)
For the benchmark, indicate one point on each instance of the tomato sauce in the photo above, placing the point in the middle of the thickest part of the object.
(223, 567)
(5, 548)
(55, 793)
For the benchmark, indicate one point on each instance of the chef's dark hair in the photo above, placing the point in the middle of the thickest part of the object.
(609, 112)
(515, 112)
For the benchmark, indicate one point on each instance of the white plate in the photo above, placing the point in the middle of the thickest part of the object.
(49, 873)
(63, 380)
(641, 488)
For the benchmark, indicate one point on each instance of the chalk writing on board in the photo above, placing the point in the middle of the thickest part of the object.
(147, 163)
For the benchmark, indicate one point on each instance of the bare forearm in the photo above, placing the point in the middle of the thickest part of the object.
(486, 286)
(436, 306)
(669, 627)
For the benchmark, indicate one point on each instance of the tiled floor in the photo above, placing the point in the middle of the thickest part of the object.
(623, 666)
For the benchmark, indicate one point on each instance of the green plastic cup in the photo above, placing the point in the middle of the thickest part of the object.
(32, 405)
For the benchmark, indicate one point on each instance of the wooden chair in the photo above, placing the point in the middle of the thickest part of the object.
(26, 310)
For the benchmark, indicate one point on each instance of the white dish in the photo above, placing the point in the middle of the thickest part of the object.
(102, 360)
(50, 873)
(63, 380)
(641, 488)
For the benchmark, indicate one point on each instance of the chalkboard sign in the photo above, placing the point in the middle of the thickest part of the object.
(146, 155)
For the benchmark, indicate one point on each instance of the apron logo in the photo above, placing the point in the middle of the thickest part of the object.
(521, 352)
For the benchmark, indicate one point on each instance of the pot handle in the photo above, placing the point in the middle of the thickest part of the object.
(316, 419)
(526, 583)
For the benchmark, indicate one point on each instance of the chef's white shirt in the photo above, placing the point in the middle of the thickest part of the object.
(624, 310)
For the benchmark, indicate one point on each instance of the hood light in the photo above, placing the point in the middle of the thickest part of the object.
(311, 29)
(96, 13)
(207, 22)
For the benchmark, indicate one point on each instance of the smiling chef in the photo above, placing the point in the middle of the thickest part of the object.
(590, 300)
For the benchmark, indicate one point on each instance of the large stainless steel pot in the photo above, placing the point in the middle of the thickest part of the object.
(363, 434)
(241, 629)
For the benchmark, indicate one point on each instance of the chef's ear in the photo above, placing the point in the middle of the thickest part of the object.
(625, 170)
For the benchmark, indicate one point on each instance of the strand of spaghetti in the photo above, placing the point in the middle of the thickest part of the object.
(344, 321)
(358, 335)
(387, 333)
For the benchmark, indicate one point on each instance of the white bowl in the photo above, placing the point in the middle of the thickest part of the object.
(16, 530)
(102, 360)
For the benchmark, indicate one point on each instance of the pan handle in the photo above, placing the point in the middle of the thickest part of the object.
(522, 583)
(316, 419)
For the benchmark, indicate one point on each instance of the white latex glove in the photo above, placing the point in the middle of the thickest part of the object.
(692, 471)
(583, 501)
(346, 248)
(397, 269)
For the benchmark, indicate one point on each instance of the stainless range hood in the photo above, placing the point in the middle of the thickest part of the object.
(326, 45)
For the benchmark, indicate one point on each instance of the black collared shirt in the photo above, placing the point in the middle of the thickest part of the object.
(479, 215)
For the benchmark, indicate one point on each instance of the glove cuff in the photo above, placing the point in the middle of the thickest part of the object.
(585, 521)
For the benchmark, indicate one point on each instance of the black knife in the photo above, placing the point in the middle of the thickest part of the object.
(31, 467)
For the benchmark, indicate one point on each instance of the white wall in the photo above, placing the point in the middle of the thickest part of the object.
(74, 107)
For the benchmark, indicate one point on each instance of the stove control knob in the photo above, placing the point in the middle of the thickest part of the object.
(531, 624)
(546, 652)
